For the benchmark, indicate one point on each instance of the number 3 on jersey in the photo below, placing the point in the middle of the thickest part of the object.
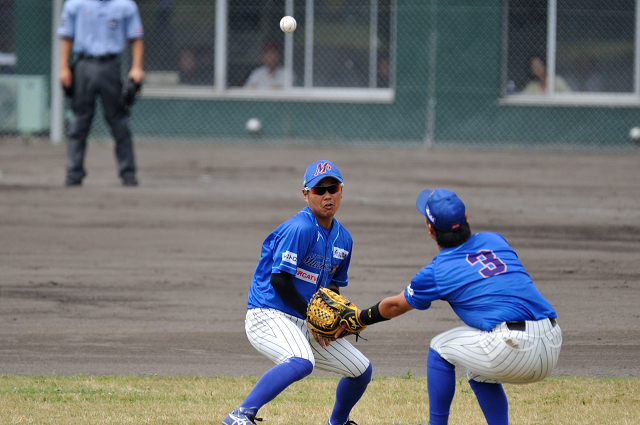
(492, 264)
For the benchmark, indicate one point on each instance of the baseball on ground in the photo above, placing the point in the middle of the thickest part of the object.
(288, 24)
(634, 133)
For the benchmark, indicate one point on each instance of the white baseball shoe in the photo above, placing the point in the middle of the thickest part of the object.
(241, 416)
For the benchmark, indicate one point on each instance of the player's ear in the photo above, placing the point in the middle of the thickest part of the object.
(305, 193)
(431, 229)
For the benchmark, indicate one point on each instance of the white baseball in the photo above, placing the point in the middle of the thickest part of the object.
(288, 24)
(253, 125)
(634, 133)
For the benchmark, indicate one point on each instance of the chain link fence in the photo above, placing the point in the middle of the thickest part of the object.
(534, 74)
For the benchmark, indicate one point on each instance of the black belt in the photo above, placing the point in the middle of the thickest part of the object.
(97, 58)
(522, 326)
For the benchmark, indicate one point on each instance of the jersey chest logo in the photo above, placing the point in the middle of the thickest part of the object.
(340, 253)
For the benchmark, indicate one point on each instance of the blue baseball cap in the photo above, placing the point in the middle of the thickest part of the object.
(318, 171)
(443, 209)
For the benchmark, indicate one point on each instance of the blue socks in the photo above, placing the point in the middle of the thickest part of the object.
(275, 381)
(441, 386)
(279, 377)
(349, 391)
(493, 402)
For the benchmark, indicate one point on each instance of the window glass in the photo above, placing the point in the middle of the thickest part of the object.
(384, 57)
(595, 44)
(341, 52)
(527, 37)
(255, 44)
(179, 41)
(349, 44)
(8, 57)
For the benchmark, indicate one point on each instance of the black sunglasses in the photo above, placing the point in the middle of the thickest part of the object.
(320, 190)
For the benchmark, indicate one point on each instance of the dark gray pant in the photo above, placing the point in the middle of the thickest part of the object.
(92, 78)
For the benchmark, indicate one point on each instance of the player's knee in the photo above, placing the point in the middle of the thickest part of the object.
(367, 374)
(435, 361)
(363, 379)
(479, 387)
(302, 367)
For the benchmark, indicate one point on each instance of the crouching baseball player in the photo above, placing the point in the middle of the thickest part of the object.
(309, 251)
(511, 333)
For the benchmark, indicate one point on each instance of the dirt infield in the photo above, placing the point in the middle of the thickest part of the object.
(108, 280)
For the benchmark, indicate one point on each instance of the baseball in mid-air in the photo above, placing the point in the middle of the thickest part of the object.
(288, 24)
(253, 125)
(634, 133)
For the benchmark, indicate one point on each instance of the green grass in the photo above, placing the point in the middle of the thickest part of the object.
(388, 401)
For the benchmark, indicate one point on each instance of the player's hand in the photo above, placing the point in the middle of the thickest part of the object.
(136, 74)
(341, 329)
(324, 342)
(66, 77)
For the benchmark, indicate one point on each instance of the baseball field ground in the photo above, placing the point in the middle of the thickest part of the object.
(126, 305)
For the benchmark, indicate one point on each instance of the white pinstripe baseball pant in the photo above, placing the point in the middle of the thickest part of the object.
(280, 336)
(502, 355)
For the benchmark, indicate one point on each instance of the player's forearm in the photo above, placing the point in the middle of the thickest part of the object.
(386, 309)
(137, 53)
(65, 52)
(394, 306)
(284, 287)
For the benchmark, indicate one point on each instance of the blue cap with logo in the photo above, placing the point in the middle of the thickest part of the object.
(443, 209)
(318, 171)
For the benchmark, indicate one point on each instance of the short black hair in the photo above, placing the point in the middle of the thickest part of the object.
(453, 239)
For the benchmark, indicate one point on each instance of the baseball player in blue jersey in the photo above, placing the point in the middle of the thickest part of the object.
(309, 251)
(96, 31)
(511, 333)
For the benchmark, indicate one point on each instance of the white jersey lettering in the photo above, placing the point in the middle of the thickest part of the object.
(290, 257)
(307, 276)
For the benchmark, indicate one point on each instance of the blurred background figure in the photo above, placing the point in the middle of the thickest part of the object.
(97, 33)
(384, 71)
(270, 75)
(539, 84)
(192, 67)
(585, 76)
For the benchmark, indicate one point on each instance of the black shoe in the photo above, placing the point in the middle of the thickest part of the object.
(73, 182)
(130, 181)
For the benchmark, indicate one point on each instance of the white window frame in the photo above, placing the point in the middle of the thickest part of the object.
(552, 98)
(307, 93)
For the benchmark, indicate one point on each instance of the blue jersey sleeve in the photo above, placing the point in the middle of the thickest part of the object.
(289, 247)
(423, 289)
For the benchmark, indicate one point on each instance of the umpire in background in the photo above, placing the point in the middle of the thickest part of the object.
(96, 31)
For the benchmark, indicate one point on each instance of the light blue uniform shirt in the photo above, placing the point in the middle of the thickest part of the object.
(314, 256)
(483, 281)
(100, 27)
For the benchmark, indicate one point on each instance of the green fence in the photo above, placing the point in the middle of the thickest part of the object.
(384, 72)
